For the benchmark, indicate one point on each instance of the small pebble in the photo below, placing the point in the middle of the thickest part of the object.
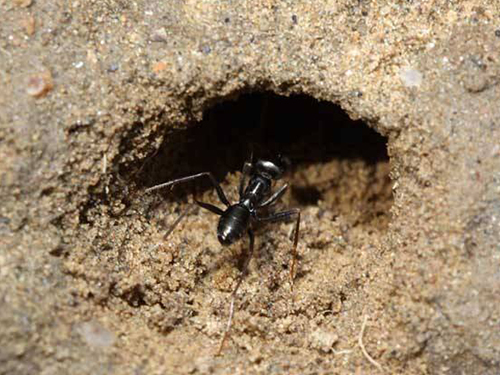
(23, 3)
(206, 49)
(40, 84)
(113, 68)
(410, 77)
(323, 340)
(159, 66)
(95, 334)
(29, 25)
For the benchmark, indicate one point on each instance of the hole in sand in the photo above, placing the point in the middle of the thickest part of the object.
(337, 163)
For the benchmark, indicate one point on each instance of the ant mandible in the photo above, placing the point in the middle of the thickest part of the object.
(239, 217)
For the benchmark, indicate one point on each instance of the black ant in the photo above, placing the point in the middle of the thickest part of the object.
(238, 218)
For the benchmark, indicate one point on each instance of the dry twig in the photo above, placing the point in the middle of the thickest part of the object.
(362, 346)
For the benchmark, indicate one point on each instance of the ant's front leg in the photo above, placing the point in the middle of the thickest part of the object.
(245, 171)
(274, 198)
(247, 168)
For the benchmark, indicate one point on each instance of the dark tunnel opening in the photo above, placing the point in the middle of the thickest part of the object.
(337, 163)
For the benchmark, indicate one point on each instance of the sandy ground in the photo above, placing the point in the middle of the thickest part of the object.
(389, 113)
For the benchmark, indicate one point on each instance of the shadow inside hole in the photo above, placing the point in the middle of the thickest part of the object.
(329, 151)
(306, 195)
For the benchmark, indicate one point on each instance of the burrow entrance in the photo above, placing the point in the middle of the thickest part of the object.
(339, 178)
(337, 164)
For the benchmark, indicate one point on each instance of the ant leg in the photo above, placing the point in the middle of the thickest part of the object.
(247, 167)
(233, 295)
(245, 171)
(177, 221)
(216, 185)
(282, 216)
(274, 198)
(209, 207)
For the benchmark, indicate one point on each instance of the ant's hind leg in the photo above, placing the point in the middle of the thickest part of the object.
(177, 221)
(172, 183)
(233, 295)
(209, 207)
(282, 216)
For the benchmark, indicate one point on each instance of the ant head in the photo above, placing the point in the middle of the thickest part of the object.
(273, 170)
